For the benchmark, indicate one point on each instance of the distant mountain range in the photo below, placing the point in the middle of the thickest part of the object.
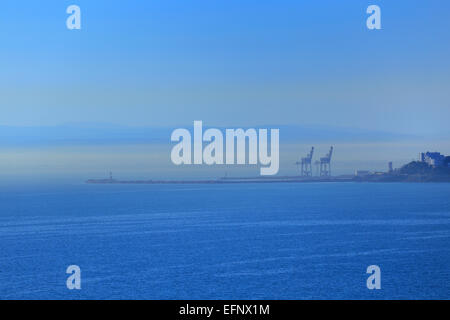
(94, 134)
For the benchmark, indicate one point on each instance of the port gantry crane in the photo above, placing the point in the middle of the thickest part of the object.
(325, 164)
(306, 168)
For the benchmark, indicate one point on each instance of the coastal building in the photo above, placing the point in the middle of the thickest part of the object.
(434, 159)
(362, 173)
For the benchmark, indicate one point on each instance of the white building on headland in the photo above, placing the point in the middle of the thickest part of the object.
(362, 173)
(435, 159)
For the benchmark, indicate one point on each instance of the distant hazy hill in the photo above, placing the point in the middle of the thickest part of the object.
(93, 134)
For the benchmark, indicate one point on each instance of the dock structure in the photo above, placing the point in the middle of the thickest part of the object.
(325, 164)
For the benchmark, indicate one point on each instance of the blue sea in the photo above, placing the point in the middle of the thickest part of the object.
(236, 241)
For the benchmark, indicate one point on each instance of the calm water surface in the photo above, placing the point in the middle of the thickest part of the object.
(243, 241)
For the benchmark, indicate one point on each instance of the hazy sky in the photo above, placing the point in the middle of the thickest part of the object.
(228, 63)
